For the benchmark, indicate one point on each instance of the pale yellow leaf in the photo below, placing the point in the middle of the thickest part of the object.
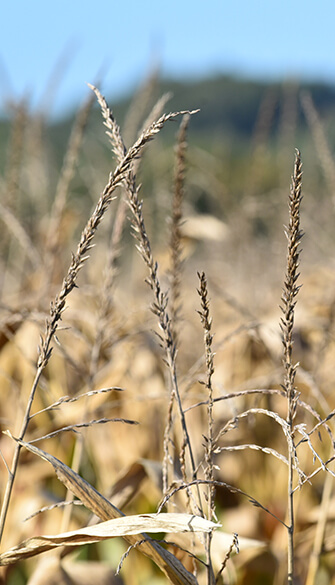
(105, 510)
(124, 526)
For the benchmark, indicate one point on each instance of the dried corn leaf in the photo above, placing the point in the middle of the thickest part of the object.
(99, 505)
(128, 484)
(124, 526)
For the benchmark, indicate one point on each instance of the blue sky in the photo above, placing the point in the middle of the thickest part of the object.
(70, 41)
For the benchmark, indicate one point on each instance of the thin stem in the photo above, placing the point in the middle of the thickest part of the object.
(290, 528)
(159, 308)
(12, 473)
(290, 291)
(320, 531)
(209, 440)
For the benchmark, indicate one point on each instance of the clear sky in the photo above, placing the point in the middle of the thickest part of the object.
(70, 41)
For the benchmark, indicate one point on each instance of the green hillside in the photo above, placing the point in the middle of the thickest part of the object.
(248, 129)
(229, 106)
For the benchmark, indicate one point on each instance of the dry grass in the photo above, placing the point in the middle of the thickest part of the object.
(124, 395)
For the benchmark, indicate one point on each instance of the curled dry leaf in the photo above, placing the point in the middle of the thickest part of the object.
(99, 505)
(124, 526)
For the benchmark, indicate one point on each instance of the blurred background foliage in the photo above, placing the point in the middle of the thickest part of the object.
(239, 162)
